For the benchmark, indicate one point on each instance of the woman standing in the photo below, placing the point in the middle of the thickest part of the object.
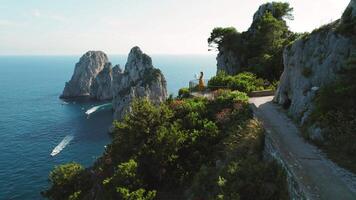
(201, 82)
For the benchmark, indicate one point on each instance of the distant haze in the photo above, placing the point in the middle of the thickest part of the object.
(58, 27)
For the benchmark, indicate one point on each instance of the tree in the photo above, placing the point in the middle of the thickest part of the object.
(259, 50)
(67, 181)
(227, 37)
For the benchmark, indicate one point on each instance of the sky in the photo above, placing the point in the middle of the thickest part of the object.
(72, 27)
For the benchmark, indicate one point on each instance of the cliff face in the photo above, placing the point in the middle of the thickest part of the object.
(139, 80)
(88, 67)
(228, 61)
(95, 77)
(310, 63)
(101, 86)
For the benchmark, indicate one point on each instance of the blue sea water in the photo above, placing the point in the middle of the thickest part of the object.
(33, 120)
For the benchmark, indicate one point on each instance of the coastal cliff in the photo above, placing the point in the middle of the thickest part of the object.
(95, 77)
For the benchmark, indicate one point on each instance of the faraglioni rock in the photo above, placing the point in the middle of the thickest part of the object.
(139, 80)
(95, 77)
(85, 72)
(101, 86)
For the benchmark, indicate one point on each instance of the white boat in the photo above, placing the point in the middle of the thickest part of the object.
(62, 145)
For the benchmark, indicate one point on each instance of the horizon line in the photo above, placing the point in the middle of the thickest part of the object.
(121, 54)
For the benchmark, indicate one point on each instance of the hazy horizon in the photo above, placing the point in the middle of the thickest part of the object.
(159, 27)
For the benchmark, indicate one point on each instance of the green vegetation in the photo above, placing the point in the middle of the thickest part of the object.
(227, 37)
(336, 113)
(184, 93)
(190, 148)
(67, 181)
(151, 75)
(259, 49)
(244, 82)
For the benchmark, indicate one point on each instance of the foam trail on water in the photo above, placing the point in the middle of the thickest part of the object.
(62, 145)
(95, 108)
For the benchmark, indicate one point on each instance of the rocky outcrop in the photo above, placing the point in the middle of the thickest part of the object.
(246, 51)
(228, 61)
(95, 77)
(101, 86)
(267, 7)
(139, 80)
(312, 62)
(85, 72)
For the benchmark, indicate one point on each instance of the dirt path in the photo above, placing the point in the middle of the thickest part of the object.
(317, 177)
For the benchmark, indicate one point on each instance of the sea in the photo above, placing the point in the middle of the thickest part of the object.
(34, 121)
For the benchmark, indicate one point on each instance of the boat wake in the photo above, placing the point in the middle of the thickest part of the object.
(96, 108)
(62, 145)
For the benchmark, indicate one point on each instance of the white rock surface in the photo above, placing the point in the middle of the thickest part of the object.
(94, 76)
(139, 80)
(88, 67)
(310, 63)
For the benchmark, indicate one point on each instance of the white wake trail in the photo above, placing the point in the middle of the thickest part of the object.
(62, 145)
(95, 108)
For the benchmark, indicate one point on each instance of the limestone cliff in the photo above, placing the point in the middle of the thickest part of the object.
(101, 86)
(139, 80)
(312, 62)
(228, 61)
(88, 67)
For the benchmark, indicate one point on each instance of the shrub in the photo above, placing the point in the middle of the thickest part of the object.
(181, 144)
(240, 174)
(67, 180)
(184, 93)
(243, 82)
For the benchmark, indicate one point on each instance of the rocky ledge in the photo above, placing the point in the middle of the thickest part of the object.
(95, 77)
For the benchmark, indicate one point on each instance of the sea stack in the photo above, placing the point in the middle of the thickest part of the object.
(86, 70)
(101, 86)
(139, 80)
(95, 77)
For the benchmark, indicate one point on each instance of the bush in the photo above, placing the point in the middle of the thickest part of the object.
(184, 93)
(243, 82)
(158, 150)
(240, 174)
(67, 181)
